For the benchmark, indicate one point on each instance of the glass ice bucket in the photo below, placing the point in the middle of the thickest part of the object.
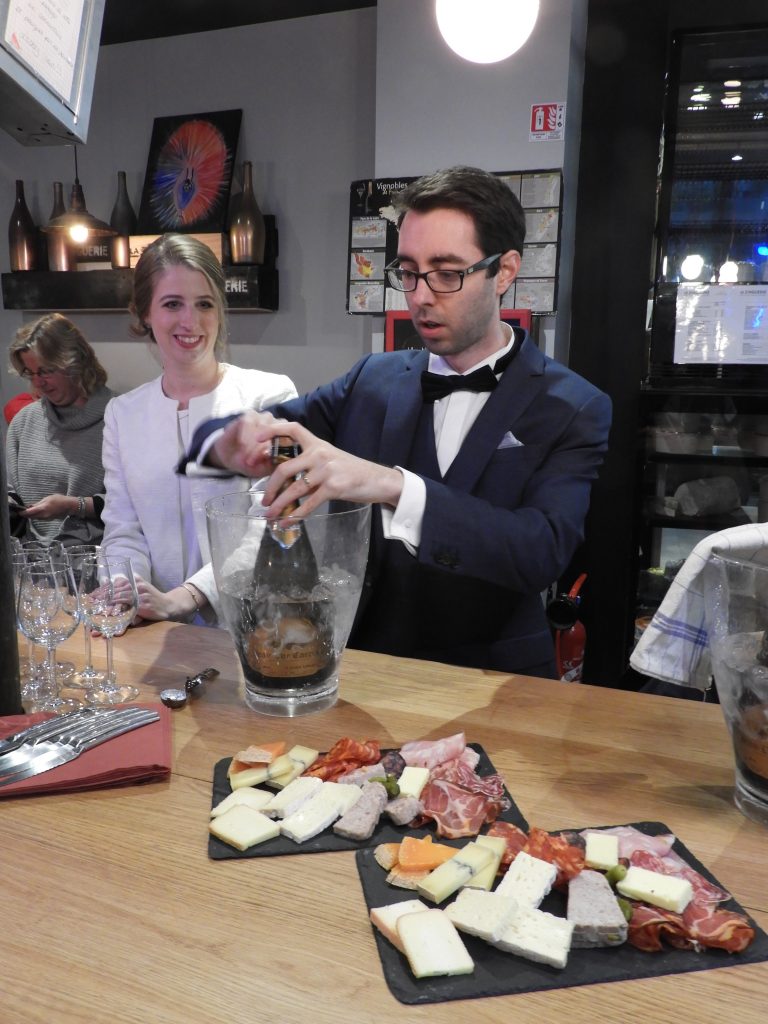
(737, 625)
(288, 611)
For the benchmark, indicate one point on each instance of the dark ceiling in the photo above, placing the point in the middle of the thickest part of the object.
(129, 20)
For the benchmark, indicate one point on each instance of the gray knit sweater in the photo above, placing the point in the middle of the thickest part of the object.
(57, 450)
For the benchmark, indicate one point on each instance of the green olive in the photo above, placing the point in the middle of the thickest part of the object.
(389, 783)
(616, 874)
(626, 907)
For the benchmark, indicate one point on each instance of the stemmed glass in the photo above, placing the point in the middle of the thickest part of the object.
(109, 601)
(88, 677)
(48, 612)
(37, 551)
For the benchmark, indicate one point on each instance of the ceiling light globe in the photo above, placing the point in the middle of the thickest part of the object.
(486, 31)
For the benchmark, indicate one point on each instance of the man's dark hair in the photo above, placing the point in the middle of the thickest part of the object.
(496, 211)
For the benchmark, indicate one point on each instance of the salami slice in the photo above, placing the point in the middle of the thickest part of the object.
(513, 836)
(344, 756)
(565, 850)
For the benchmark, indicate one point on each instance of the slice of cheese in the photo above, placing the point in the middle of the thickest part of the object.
(432, 945)
(299, 759)
(481, 913)
(459, 870)
(484, 879)
(652, 887)
(249, 777)
(242, 827)
(386, 918)
(528, 880)
(602, 851)
(413, 780)
(257, 799)
(290, 799)
(319, 812)
(537, 936)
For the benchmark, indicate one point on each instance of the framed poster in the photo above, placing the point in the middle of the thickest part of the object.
(189, 173)
(399, 332)
(373, 242)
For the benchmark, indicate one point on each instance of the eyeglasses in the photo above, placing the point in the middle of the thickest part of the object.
(438, 281)
(42, 373)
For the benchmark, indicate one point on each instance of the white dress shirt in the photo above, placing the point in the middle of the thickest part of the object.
(453, 419)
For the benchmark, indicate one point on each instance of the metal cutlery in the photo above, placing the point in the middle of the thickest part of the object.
(173, 698)
(51, 727)
(43, 755)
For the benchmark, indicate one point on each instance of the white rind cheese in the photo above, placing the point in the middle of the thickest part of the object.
(481, 913)
(257, 799)
(319, 812)
(290, 799)
(602, 850)
(537, 936)
(528, 880)
(242, 827)
(664, 891)
(459, 870)
(432, 945)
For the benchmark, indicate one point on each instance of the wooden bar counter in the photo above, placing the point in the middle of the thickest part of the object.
(112, 911)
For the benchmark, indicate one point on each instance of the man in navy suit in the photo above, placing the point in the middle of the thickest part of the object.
(479, 452)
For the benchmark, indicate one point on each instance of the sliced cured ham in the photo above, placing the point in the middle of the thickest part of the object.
(715, 928)
(430, 753)
(462, 775)
(456, 811)
(650, 925)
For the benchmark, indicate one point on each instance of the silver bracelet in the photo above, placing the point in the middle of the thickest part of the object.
(191, 590)
(80, 508)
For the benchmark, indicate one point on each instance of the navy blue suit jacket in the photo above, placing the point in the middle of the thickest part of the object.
(498, 528)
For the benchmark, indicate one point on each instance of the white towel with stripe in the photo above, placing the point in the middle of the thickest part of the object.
(674, 645)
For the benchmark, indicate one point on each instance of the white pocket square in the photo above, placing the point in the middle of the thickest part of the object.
(510, 441)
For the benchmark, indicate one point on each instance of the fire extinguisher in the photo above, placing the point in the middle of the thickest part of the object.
(570, 635)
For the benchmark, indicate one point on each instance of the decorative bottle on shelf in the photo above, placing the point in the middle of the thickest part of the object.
(22, 233)
(123, 220)
(287, 642)
(59, 251)
(246, 223)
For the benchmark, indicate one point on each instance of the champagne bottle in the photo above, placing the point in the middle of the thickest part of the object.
(22, 233)
(287, 642)
(123, 220)
(59, 252)
(247, 233)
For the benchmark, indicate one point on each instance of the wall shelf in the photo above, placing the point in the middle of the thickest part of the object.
(249, 289)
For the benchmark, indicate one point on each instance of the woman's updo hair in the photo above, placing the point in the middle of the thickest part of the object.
(175, 250)
(60, 345)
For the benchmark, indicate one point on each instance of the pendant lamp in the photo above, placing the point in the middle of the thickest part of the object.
(486, 31)
(77, 222)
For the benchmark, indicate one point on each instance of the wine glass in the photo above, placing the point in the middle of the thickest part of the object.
(37, 551)
(109, 601)
(48, 612)
(88, 677)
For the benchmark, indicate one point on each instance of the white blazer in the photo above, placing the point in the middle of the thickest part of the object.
(142, 517)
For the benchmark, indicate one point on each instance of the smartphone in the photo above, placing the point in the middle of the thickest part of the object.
(15, 503)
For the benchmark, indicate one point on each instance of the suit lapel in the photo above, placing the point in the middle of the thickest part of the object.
(404, 405)
(519, 386)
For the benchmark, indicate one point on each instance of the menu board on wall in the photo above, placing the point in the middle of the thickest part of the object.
(46, 37)
(373, 242)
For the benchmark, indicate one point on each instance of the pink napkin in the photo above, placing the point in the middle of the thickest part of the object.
(142, 755)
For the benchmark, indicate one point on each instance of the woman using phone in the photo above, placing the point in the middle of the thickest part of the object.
(53, 447)
(152, 515)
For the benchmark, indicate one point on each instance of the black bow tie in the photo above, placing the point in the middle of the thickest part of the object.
(437, 385)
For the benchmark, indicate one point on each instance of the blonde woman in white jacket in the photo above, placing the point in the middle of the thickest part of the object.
(151, 514)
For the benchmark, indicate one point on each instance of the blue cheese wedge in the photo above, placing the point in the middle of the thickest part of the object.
(602, 850)
(537, 936)
(459, 870)
(432, 945)
(485, 878)
(256, 799)
(242, 827)
(664, 891)
(290, 799)
(481, 913)
(528, 880)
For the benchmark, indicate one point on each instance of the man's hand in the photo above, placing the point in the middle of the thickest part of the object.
(53, 506)
(324, 473)
(244, 447)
